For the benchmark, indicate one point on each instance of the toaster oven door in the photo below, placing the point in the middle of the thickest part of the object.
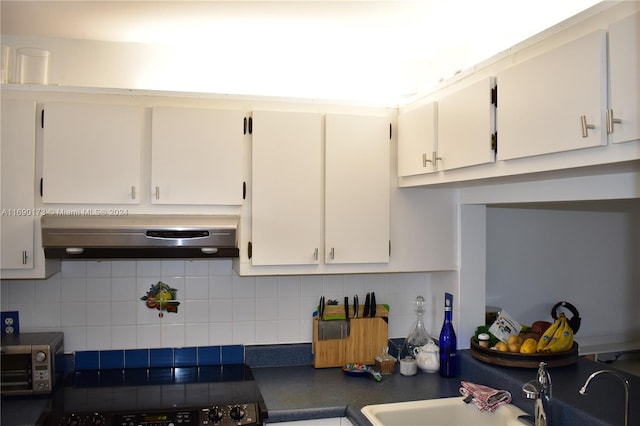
(16, 373)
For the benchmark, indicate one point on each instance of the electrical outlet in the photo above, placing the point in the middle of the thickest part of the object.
(10, 322)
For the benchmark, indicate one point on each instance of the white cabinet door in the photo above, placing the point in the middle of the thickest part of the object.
(466, 123)
(417, 134)
(624, 80)
(91, 153)
(18, 176)
(196, 156)
(357, 189)
(555, 101)
(287, 197)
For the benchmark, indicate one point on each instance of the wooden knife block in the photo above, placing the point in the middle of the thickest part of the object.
(367, 337)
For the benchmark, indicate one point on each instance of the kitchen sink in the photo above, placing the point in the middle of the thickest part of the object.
(441, 412)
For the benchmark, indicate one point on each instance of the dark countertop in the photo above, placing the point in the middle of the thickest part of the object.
(302, 392)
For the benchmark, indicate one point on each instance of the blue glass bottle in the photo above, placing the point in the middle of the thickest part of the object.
(448, 343)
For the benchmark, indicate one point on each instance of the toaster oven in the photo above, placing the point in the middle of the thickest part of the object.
(31, 362)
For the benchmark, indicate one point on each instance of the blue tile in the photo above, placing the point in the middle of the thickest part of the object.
(209, 355)
(111, 359)
(161, 357)
(233, 354)
(185, 357)
(136, 358)
(87, 360)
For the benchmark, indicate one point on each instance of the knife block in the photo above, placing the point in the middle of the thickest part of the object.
(367, 337)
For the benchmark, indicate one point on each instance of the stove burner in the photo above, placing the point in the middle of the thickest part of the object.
(213, 395)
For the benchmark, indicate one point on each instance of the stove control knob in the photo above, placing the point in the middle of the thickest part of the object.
(237, 413)
(40, 356)
(216, 414)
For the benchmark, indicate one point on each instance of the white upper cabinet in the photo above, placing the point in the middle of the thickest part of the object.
(466, 124)
(555, 101)
(18, 191)
(286, 210)
(417, 133)
(196, 156)
(91, 153)
(357, 189)
(623, 115)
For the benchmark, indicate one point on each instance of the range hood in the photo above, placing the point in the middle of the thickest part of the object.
(139, 236)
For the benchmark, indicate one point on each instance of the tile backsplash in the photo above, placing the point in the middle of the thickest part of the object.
(97, 303)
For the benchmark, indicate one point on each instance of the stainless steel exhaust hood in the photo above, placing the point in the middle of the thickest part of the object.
(139, 236)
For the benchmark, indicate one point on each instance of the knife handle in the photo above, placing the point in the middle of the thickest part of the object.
(367, 302)
(346, 307)
(373, 304)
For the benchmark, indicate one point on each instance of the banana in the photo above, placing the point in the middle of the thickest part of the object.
(562, 339)
(545, 340)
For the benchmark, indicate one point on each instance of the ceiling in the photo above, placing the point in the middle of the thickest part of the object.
(357, 50)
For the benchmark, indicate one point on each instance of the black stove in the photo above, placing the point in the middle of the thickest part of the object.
(212, 395)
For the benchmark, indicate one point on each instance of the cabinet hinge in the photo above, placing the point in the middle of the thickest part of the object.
(42, 119)
(494, 96)
(244, 126)
(249, 250)
(244, 190)
(250, 127)
(494, 142)
(41, 185)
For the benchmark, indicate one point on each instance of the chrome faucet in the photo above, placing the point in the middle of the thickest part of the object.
(583, 390)
(540, 390)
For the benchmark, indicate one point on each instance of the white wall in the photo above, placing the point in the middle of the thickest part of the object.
(98, 306)
(586, 254)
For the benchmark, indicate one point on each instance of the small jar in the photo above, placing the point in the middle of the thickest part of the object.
(483, 340)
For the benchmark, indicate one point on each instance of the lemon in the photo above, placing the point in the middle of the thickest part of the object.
(529, 346)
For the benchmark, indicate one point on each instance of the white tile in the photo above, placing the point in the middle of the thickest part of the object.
(73, 290)
(124, 289)
(220, 267)
(244, 332)
(4, 294)
(148, 336)
(266, 287)
(308, 305)
(306, 330)
(288, 331)
(289, 286)
(196, 268)
(27, 315)
(244, 310)
(289, 308)
(75, 339)
(174, 317)
(172, 268)
(124, 313)
(173, 335)
(21, 291)
(221, 333)
(99, 268)
(354, 284)
(220, 311)
(267, 309)
(73, 269)
(146, 315)
(333, 286)
(148, 268)
(196, 288)
(196, 311)
(47, 315)
(378, 283)
(98, 289)
(48, 291)
(98, 313)
(123, 268)
(124, 337)
(197, 334)
(266, 332)
(73, 314)
(220, 287)
(99, 338)
(244, 287)
(311, 285)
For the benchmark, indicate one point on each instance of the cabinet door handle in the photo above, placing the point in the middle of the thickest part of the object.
(133, 192)
(157, 192)
(25, 257)
(585, 127)
(315, 254)
(425, 160)
(611, 121)
(435, 158)
(332, 253)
